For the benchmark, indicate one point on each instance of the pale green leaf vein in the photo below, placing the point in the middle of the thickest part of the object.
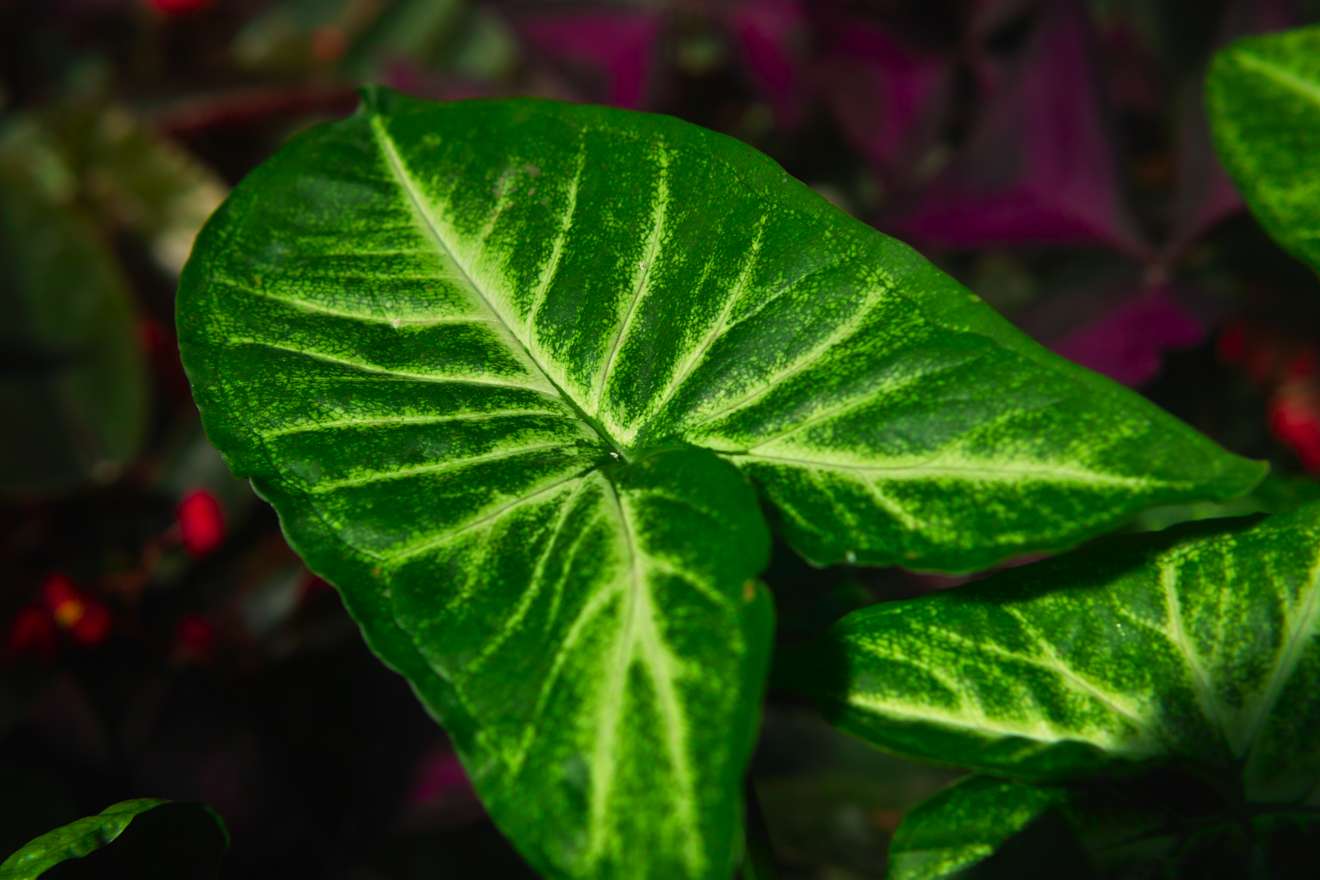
(436, 468)
(694, 358)
(385, 373)
(449, 535)
(407, 421)
(650, 256)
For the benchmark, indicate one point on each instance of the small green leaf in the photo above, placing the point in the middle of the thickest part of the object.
(964, 825)
(457, 345)
(183, 840)
(1195, 645)
(1264, 102)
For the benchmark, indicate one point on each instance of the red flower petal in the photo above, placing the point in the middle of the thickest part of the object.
(32, 633)
(92, 627)
(201, 522)
(1295, 420)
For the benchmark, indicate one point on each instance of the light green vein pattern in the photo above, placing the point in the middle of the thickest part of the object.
(1198, 644)
(1263, 95)
(460, 347)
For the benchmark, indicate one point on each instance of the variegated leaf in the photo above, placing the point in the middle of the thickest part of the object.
(1264, 103)
(1196, 646)
(457, 347)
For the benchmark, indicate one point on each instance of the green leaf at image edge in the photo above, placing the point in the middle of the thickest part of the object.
(964, 825)
(83, 837)
(1196, 646)
(1263, 95)
(465, 350)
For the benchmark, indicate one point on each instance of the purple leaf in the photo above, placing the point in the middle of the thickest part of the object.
(889, 98)
(1128, 343)
(771, 35)
(616, 48)
(1205, 195)
(1039, 166)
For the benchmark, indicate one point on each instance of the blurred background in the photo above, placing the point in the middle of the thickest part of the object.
(158, 638)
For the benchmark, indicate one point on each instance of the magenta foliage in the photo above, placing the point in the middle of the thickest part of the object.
(1128, 342)
(771, 37)
(1039, 167)
(616, 47)
(890, 98)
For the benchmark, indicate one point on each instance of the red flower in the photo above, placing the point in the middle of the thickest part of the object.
(85, 618)
(32, 632)
(93, 626)
(62, 598)
(1295, 419)
(201, 522)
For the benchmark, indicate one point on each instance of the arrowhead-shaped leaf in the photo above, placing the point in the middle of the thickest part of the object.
(1264, 100)
(449, 342)
(145, 837)
(1195, 646)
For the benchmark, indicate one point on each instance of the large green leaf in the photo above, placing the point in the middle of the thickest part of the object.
(1197, 645)
(451, 342)
(1264, 101)
(171, 840)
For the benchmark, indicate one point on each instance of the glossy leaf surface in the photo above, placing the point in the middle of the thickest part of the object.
(460, 347)
(1264, 100)
(1195, 645)
(964, 825)
(182, 840)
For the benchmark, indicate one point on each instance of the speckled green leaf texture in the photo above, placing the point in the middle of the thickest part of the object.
(512, 372)
(1196, 645)
(962, 826)
(1264, 101)
(145, 838)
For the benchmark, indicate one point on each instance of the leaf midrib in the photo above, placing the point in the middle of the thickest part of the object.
(1281, 75)
(404, 179)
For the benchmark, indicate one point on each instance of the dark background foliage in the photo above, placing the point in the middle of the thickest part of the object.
(158, 638)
